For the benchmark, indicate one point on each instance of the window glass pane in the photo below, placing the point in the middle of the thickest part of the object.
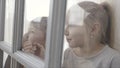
(9, 16)
(86, 43)
(9, 19)
(35, 26)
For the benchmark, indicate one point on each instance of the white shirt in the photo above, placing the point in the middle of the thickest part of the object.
(106, 58)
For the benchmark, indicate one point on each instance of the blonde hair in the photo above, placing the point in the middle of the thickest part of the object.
(98, 14)
(40, 23)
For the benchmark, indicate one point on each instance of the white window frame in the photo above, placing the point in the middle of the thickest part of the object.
(54, 42)
(2, 20)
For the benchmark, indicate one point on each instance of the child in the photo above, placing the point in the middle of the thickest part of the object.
(34, 39)
(86, 34)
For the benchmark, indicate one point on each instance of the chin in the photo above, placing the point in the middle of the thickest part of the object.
(72, 46)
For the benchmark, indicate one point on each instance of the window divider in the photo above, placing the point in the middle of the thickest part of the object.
(18, 30)
(2, 23)
(18, 25)
(55, 34)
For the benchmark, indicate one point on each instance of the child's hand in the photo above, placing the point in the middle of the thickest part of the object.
(28, 47)
(40, 50)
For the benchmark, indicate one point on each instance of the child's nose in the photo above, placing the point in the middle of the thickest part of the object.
(67, 33)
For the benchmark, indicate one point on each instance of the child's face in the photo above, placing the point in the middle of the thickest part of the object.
(36, 36)
(75, 35)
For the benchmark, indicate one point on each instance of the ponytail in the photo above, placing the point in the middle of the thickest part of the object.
(106, 7)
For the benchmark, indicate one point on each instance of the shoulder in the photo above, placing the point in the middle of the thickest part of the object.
(110, 51)
(108, 54)
(115, 63)
(67, 52)
(115, 60)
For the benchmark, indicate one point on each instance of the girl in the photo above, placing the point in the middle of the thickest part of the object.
(86, 34)
(34, 39)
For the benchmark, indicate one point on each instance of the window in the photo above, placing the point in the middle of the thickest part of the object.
(21, 17)
(24, 12)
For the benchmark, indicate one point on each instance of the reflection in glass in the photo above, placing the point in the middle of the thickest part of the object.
(34, 39)
(35, 24)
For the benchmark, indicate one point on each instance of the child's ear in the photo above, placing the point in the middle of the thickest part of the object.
(95, 28)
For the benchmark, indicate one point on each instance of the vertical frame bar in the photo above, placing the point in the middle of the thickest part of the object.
(18, 25)
(18, 29)
(55, 34)
(2, 23)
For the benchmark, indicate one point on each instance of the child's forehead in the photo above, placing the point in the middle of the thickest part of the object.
(76, 15)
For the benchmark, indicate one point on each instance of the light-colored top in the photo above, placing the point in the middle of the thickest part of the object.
(106, 58)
